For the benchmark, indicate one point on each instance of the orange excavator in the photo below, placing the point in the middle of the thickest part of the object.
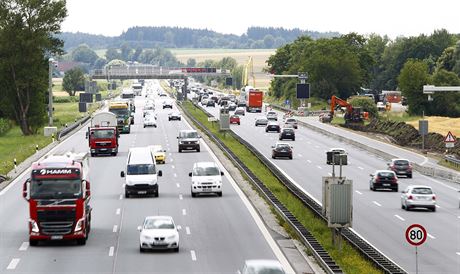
(352, 114)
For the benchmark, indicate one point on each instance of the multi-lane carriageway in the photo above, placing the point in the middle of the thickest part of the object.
(377, 216)
(217, 233)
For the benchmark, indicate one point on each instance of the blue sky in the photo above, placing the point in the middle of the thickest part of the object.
(390, 17)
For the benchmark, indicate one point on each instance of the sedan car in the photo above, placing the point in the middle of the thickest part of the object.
(210, 103)
(292, 122)
(383, 179)
(418, 196)
(261, 121)
(261, 267)
(167, 104)
(231, 106)
(240, 111)
(282, 150)
(150, 121)
(273, 126)
(271, 115)
(158, 232)
(235, 119)
(174, 116)
(401, 167)
(287, 133)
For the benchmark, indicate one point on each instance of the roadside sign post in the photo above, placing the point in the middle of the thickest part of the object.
(416, 235)
(450, 140)
(423, 130)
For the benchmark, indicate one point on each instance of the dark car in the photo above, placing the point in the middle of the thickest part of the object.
(235, 119)
(401, 167)
(210, 103)
(287, 133)
(273, 126)
(383, 179)
(188, 140)
(282, 150)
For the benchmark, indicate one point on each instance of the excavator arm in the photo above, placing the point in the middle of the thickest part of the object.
(336, 101)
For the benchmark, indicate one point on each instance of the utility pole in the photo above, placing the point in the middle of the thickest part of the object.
(51, 64)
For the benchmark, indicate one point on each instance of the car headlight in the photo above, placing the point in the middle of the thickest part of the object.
(79, 225)
(172, 237)
(145, 237)
(34, 226)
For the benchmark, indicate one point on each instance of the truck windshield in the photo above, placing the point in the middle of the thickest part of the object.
(103, 133)
(127, 95)
(55, 189)
(141, 169)
(191, 134)
(120, 112)
(206, 171)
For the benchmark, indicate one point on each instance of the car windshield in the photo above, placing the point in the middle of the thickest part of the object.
(158, 224)
(206, 171)
(141, 169)
(103, 133)
(386, 174)
(291, 120)
(55, 189)
(422, 190)
(120, 112)
(260, 269)
(401, 162)
(288, 130)
(283, 146)
(127, 95)
(191, 134)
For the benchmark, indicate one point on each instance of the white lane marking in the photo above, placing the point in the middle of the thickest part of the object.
(118, 211)
(184, 212)
(173, 166)
(308, 142)
(170, 154)
(175, 175)
(458, 217)
(300, 155)
(187, 230)
(438, 206)
(360, 193)
(181, 197)
(376, 203)
(399, 217)
(317, 146)
(24, 246)
(177, 184)
(123, 186)
(172, 160)
(179, 227)
(431, 236)
(361, 168)
(111, 250)
(458, 253)
(330, 174)
(192, 253)
(319, 167)
(115, 228)
(309, 161)
(441, 183)
(254, 214)
(121, 197)
(12, 265)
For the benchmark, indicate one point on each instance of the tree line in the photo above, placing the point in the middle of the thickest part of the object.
(176, 37)
(344, 65)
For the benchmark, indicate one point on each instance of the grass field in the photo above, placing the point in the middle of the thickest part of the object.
(441, 125)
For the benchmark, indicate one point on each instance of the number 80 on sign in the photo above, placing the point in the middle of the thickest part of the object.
(416, 234)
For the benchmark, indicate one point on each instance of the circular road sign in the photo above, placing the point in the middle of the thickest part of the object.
(416, 234)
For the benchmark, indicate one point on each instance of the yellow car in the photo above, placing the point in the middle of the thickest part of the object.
(159, 153)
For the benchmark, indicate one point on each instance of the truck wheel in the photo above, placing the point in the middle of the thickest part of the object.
(33, 242)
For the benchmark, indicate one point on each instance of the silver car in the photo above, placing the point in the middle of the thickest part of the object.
(261, 121)
(261, 267)
(415, 196)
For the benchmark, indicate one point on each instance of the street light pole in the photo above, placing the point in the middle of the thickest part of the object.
(50, 91)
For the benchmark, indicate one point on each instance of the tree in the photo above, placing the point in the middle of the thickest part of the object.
(413, 76)
(84, 54)
(100, 63)
(74, 80)
(136, 54)
(445, 103)
(112, 54)
(28, 32)
(191, 62)
(269, 41)
(126, 51)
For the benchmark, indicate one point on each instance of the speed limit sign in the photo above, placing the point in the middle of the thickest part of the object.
(416, 234)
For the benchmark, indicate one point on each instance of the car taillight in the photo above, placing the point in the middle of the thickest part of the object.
(395, 180)
(409, 167)
(434, 197)
(410, 197)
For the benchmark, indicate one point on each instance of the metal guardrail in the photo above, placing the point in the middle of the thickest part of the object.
(374, 255)
(305, 113)
(453, 160)
(67, 130)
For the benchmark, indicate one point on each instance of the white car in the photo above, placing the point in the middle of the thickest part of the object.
(148, 108)
(418, 196)
(206, 178)
(150, 121)
(261, 267)
(174, 116)
(158, 232)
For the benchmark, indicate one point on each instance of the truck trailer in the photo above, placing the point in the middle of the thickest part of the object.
(254, 101)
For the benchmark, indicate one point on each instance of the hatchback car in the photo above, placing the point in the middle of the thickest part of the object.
(206, 178)
(150, 121)
(262, 267)
(271, 115)
(158, 232)
(291, 121)
(210, 103)
(240, 111)
(383, 179)
(401, 167)
(174, 116)
(287, 133)
(273, 126)
(235, 119)
(231, 106)
(282, 150)
(167, 104)
(261, 121)
(418, 196)
(159, 153)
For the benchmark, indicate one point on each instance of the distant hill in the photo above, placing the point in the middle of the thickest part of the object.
(175, 37)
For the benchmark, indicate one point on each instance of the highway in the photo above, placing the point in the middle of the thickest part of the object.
(377, 216)
(217, 233)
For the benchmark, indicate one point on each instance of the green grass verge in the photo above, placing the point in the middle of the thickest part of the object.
(349, 259)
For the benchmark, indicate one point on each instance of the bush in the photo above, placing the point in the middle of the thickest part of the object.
(366, 104)
(5, 125)
(65, 99)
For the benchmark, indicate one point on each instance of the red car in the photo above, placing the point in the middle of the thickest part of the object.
(235, 119)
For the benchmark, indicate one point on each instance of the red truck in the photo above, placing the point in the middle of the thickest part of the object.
(254, 101)
(103, 134)
(58, 192)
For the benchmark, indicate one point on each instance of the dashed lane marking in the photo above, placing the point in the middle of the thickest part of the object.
(399, 217)
(319, 167)
(184, 212)
(111, 251)
(14, 262)
(115, 228)
(361, 168)
(431, 236)
(309, 161)
(173, 166)
(177, 184)
(181, 197)
(24, 246)
(179, 227)
(300, 155)
(121, 197)
(118, 211)
(170, 154)
(192, 253)
(330, 174)
(376, 203)
(187, 230)
(360, 193)
(175, 175)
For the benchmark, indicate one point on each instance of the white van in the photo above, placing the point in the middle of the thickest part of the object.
(206, 178)
(141, 173)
